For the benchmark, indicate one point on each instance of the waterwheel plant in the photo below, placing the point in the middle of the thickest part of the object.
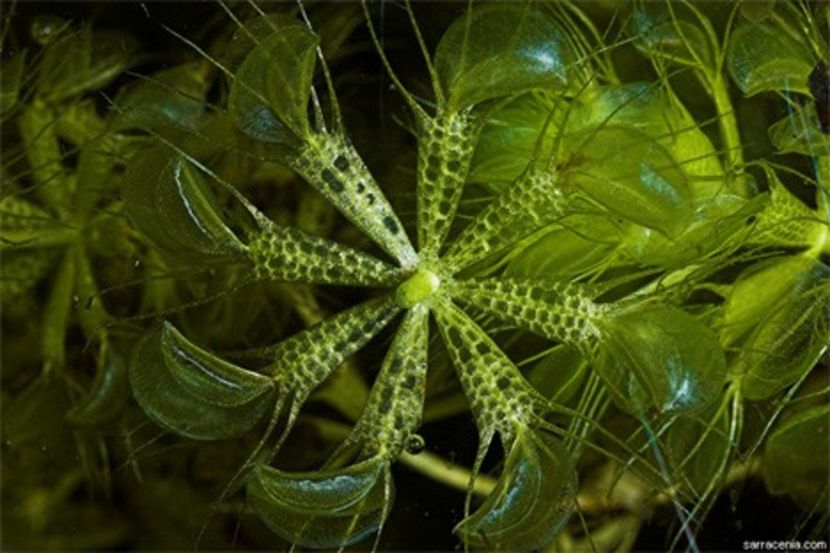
(630, 298)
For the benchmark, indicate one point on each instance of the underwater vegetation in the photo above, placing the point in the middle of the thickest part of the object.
(524, 276)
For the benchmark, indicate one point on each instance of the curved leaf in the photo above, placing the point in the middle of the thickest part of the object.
(174, 95)
(717, 223)
(565, 253)
(795, 457)
(785, 219)
(559, 375)
(507, 141)
(757, 10)
(24, 224)
(676, 361)
(646, 108)
(761, 288)
(498, 51)
(633, 176)
(322, 509)
(169, 201)
(270, 91)
(662, 33)
(177, 402)
(532, 501)
(205, 375)
(801, 133)
(763, 58)
(787, 343)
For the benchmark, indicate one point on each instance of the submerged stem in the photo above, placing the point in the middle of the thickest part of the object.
(729, 133)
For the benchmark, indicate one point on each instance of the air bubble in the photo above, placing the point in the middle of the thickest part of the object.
(415, 444)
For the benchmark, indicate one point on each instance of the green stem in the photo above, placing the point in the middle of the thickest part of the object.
(729, 133)
(447, 473)
(823, 188)
(56, 314)
(37, 129)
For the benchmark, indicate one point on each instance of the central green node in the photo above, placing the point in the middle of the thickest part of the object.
(418, 287)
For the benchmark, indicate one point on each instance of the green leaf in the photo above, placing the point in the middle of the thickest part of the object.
(290, 255)
(93, 317)
(564, 253)
(676, 361)
(34, 419)
(555, 310)
(174, 95)
(507, 141)
(761, 289)
(500, 398)
(795, 458)
(663, 34)
(37, 125)
(633, 176)
(445, 149)
(80, 124)
(395, 406)
(56, 313)
(526, 206)
(532, 501)
(307, 358)
(330, 163)
(800, 133)
(757, 10)
(787, 343)
(323, 509)
(764, 58)
(169, 200)
(498, 51)
(206, 376)
(272, 86)
(648, 109)
(46, 28)
(249, 35)
(193, 393)
(717, 223)
(785, 220)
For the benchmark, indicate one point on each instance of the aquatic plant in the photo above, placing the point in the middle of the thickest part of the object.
(613, 291)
